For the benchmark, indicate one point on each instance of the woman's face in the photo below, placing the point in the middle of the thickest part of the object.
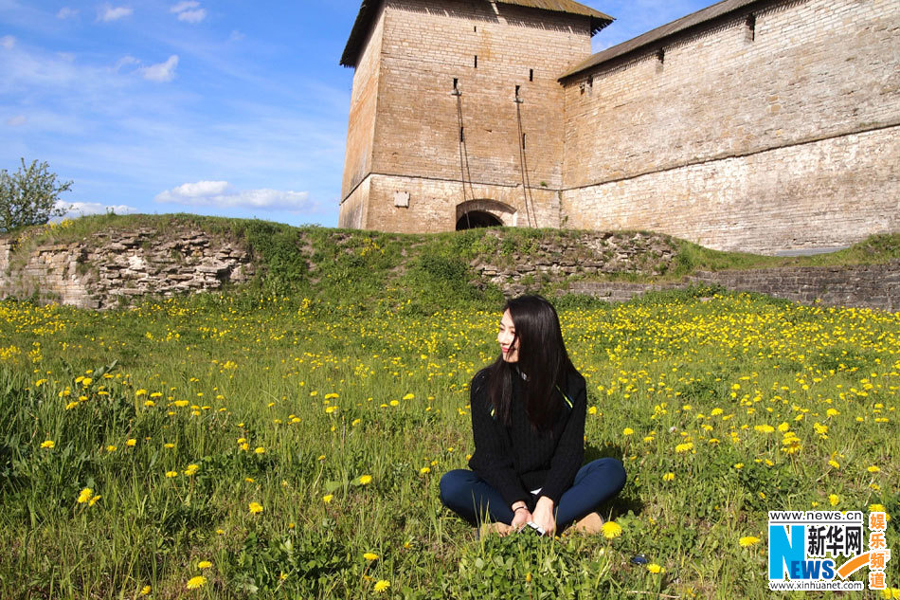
(509, 343)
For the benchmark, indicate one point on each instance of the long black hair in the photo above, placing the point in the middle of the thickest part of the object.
(543, 364)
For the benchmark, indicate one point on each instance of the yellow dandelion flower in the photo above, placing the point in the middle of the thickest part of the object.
(764, 428)
(739, 466)
(592, 410)
(382, 585)
(260, 450)
(191, 469)
(424, 470)
(149, 403)
(872, 469)
(171, 474)
(130, 443)
(85, 495)
(655, 568)
(111, 448)
(833, 499)
(668, 476)
(395, 403)
(628, 431)
(48, 444)
(327, 498)
(140, 392)
(169, 445)
(204, 564)
(685, 447)
(196, 582)
(94, 500)
(611, 530)
(255, 507)
(365, 479)
(145, 591)
(370, 556)
(408, 397)
(748, 540)
(834, 464)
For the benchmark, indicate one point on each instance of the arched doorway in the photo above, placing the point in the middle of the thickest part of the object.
(477, 218)
(484, 213)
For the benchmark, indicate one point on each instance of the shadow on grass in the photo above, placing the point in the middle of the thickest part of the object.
(624, 501)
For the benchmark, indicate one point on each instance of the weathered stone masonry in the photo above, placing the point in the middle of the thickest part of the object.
(116, 266)
(758, 125)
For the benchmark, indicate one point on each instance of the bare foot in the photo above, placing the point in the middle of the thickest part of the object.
(501, 529)
(589, 525)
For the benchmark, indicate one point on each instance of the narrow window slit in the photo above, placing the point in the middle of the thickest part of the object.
(530, 74)
(476, 61)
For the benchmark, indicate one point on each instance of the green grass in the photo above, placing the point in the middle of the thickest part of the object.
(333, 390)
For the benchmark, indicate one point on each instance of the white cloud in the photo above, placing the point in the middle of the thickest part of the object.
(236, 36)
(124, 62)
(192, 16)
(17, 121)
(220, 194)
(182, 6)
(80, 209)
(109, 13)
(198, 190)
(8, 42)
(162, 71)
(67, 13)
(189, 11)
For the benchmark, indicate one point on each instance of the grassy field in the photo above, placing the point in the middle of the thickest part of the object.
(247, 446)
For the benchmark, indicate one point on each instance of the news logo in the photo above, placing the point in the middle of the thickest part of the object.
(820, 550)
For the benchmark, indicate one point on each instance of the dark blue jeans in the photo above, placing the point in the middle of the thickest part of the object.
(472, 498)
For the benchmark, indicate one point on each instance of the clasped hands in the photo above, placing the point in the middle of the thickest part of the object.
(542, 515)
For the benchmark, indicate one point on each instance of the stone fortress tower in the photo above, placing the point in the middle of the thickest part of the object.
(758, 125)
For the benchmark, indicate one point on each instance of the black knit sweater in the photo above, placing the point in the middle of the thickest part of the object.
(516, 459)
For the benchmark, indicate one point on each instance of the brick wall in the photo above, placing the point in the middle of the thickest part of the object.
(824, 194)
(363, 103)
(776, 138)
(434, 204)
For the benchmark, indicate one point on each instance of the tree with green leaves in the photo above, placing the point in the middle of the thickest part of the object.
(29, 196)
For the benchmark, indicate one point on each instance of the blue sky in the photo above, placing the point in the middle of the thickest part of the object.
(223, 108)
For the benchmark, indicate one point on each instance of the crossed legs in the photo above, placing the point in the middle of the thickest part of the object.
(472, 498)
